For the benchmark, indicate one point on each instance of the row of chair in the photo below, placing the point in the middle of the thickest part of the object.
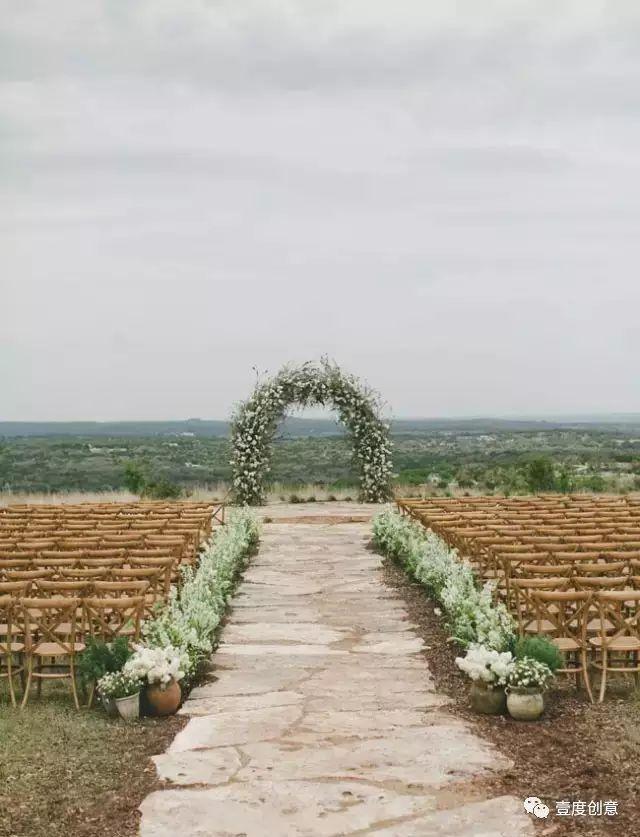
(594, 629)
(41, 636)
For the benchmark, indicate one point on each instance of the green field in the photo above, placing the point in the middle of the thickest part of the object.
(428, 456)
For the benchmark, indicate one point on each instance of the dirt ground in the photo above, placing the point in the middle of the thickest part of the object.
(576, 752)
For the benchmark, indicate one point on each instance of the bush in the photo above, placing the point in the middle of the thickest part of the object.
(539, 648)
(472, 615)
(100, 658)
(189, 620)
(154, 488)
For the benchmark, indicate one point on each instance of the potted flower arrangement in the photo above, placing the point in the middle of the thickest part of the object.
(527, 681)
(124, 690)
(489, 671)
(161, 670)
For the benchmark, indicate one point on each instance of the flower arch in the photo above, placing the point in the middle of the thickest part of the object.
(255, 420)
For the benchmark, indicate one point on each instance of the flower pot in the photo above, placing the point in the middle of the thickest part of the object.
(129, 707)
(487, 701)
(525, 704)
(109, 705)
(164, 701)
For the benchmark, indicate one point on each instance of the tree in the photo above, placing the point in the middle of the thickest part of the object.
(540, 475)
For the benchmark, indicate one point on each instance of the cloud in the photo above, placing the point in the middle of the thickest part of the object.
(441, 196)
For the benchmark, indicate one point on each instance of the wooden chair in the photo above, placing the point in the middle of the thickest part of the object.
(155, 576)
(108, 618)
(11, 635)
(44, 640)
(115, 589)
(29, 575)
(85, 573)
(166, 564)
(567, 612)
(618, 646)
(525, 603)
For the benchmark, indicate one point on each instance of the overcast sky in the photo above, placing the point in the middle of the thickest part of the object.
(444, 197)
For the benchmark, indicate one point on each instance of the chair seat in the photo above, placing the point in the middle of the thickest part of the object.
(52, 649)
(15, 647)
(619, 643)
(565, 643)
(544, 626)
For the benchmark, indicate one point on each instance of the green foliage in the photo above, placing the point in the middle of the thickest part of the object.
(137, 481)
(539, 648)
(472, 615)
(540, 475)
(161, 489)
(100, 658)
(134, 477)
(189, 620)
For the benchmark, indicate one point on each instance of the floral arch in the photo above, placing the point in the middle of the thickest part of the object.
(255, 421)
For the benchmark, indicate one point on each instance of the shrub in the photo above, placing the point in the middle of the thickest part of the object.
(100, 658)
(472, 615)
(189, 620)
(539, 648)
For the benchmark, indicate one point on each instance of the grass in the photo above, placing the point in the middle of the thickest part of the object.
(74, 773)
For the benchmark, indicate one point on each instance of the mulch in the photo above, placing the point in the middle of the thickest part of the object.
(576, 752)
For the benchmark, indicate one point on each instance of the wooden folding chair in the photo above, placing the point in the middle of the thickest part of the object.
(115, 589)
(567, 614)
(51, 633)
(11, 634)
(525, 603)
(619, 644)
(155, 576)
(108, 618)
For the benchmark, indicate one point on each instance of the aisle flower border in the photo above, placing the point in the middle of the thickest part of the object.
(472, 615)
(323, 383)
(188, 623)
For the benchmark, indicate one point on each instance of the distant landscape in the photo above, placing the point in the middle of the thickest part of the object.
(577, 453)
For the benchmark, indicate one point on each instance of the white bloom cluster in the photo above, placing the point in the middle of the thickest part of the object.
(472, 614)
(528, 673)
(155, 665)
(486, 664)
(255, 421)
(189, 620)
(118, 684)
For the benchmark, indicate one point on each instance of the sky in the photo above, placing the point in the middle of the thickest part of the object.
(441, 196)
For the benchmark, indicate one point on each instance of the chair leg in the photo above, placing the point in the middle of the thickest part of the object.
(27, 687)
(603, 680)
(73, 685)
(10, 676)
(39, 679)
(585, 674)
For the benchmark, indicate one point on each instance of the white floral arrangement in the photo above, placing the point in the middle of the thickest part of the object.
(487, 666)
(472, 614)
(159, 666)
(118, 684)
(189, 620)
(255, 421)
(528, 673)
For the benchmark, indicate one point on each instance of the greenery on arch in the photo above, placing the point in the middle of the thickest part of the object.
(255, 421)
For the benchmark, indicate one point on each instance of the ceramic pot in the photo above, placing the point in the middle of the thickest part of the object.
(109, 705)
(525, 704)
(164, 701)
(129, 707)
(488, 701)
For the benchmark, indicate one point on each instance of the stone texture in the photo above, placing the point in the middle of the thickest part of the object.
(321, 717)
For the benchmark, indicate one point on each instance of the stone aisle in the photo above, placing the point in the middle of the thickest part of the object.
(323, 719)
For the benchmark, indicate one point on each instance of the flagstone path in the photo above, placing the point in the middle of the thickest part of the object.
(322, 718)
